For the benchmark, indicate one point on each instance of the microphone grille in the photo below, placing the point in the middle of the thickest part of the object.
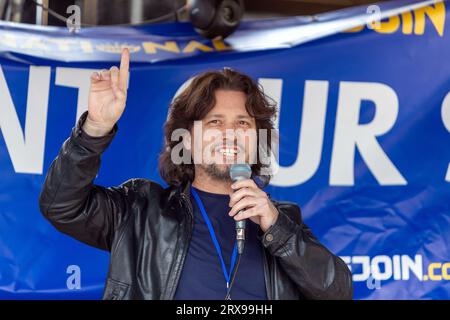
(240, 171)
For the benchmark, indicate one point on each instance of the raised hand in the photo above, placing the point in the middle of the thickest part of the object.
(107, 97)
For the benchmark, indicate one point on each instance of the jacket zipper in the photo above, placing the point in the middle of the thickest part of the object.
(177, 268)
(267, 275)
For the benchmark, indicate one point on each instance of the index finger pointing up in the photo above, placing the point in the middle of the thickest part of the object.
(124, 68)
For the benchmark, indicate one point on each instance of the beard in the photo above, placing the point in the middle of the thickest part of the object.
(218, 172)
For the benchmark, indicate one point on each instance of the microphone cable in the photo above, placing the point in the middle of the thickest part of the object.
(238, 260)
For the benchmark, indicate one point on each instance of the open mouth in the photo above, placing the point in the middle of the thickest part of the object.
(228, 152)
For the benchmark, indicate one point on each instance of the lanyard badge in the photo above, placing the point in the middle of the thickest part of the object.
(227, 274)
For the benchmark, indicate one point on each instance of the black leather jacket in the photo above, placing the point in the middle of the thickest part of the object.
(147, 229)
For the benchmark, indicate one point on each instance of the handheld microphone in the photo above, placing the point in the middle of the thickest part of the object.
(240, 172)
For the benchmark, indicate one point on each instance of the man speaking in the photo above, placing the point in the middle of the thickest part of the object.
(189, 240)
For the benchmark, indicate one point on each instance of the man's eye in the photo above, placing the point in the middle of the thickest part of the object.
(214, 121)
(243, 123)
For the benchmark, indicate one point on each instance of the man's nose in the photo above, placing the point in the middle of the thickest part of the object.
(229, 132)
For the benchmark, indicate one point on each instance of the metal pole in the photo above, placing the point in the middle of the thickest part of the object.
(90, 12)
(44, 21)
(137, 8)
(41, 14)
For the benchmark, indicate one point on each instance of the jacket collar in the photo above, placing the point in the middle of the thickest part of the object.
(178, 200)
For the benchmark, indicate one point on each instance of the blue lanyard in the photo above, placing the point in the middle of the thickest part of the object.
(226, 274)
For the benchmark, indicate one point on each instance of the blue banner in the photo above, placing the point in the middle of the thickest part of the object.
(364, 120)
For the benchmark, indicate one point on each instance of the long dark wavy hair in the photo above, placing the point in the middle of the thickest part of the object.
(196, 100)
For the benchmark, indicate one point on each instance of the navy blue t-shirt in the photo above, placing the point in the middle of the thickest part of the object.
(202, 277)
